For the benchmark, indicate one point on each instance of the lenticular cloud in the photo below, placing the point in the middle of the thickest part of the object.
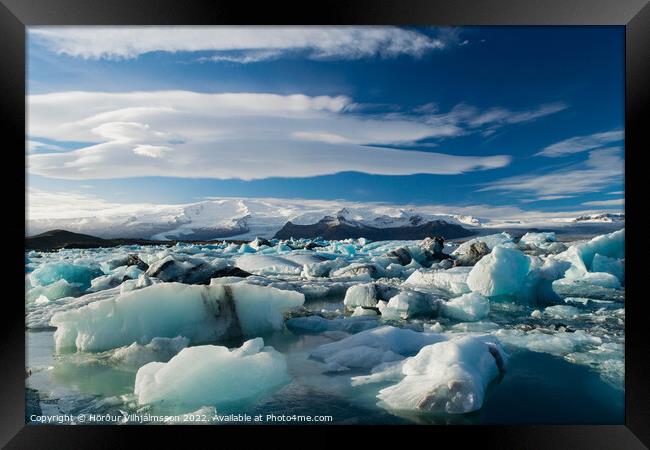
(231, 135)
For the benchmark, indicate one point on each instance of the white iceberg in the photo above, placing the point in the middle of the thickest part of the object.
(213, 375)
(452, 280)
(370, 348)
(200, 313)
(447, 377)
(470, 307)
(502, 272)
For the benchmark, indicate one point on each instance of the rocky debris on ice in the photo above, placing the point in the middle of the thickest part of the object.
(215, 375)
(200, 313)
(476, 251)
(400, 255)
(182, 269)
(491, 240)
(432, 249)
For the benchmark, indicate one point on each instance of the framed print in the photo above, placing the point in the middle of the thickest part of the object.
(392, 216)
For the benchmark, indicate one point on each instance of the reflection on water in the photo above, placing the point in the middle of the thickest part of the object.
(537, 388)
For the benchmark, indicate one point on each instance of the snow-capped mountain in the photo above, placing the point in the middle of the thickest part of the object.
(232, 218)
(605, 217)
(238, 218)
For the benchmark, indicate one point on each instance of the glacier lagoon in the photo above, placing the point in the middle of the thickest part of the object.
(495, 330)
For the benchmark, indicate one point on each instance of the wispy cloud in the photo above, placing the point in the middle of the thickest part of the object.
(615, 202)
(255, 43)
(602, 168)
(231, 135)
(581, 144)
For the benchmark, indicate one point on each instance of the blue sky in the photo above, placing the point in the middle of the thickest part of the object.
(530, 117)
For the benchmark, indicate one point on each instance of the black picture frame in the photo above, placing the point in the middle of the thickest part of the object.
(15, 15)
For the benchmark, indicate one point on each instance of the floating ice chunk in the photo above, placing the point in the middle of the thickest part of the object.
(213, 375)
(446, 377)
(159, 349)
(50, 273)
(274, 264)
(557, 343)
(54, 291)
(185, 270)
(600, 279)
(502, 272)
(539, 240)
(367, 295)
(323, 268)
(581, 256)
(468, 307)
(42, 300)
(200, 313)
(491, 240)
(318, 324)
(362, 271)
(474, 327)
(536, 314)
(453, 280)
(610, 265)
(261, 309)
(562, 311)
(410, 304)
(385, 340)
(361, 311)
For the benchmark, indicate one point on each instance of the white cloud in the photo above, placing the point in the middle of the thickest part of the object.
(614, 202)
(152, 151)
(581, 144)
(602, 168)
(34, 146)
(254, 43)
(231, 135)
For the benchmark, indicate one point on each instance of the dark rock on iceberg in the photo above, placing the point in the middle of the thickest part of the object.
(401, 255)
(476, 251)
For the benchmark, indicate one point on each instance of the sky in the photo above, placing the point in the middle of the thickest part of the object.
(530, 118)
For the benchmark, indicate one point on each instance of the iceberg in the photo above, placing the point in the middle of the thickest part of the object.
(502, 272)
(200, 313)
(470, 307)
(58, 289)
(447, 377)
(213, 375)
(491, 241)
(370, 348)
(612, 266)
(581, 256)
(50, 273)
(452, 280)
(159, 349)
(411, 304)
